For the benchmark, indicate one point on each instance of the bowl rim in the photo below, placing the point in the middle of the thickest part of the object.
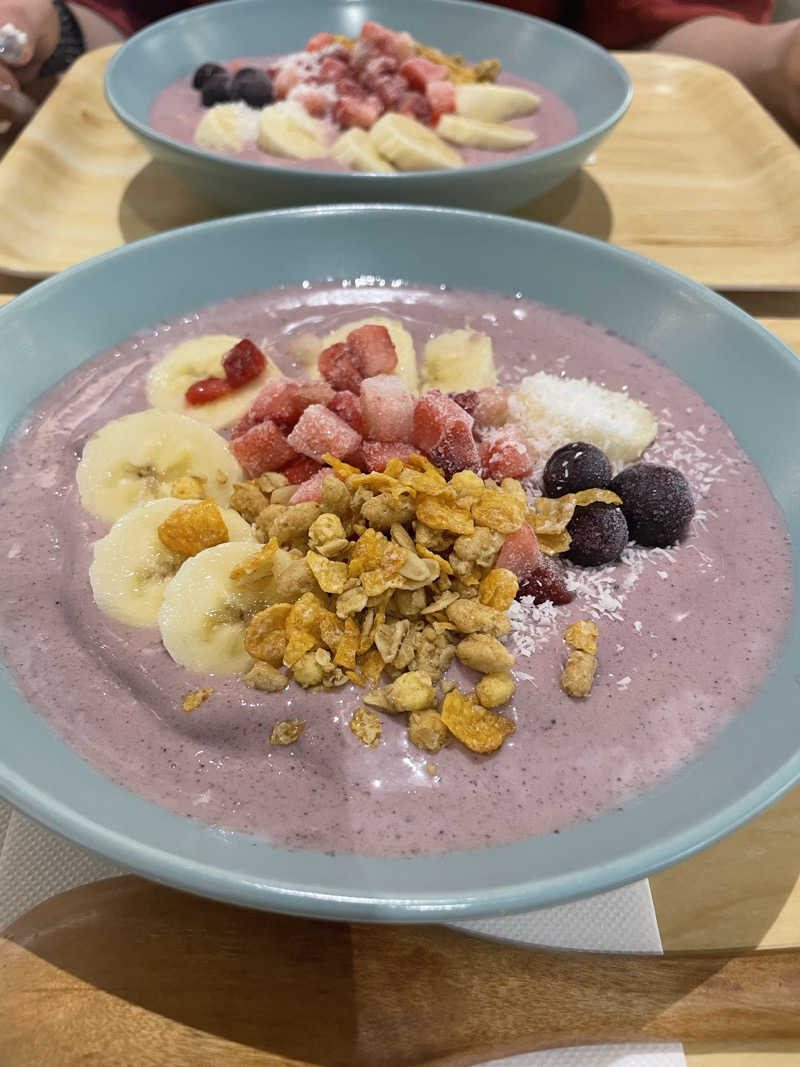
(209, 879)
(433, 177)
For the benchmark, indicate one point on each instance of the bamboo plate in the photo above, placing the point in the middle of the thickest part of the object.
(696, 176)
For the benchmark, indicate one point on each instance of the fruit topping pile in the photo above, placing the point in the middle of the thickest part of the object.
(242, 364)
(371, 103)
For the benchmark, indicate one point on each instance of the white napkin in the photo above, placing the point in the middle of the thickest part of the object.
(36, 864)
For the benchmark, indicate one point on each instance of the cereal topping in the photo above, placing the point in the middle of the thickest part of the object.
(287, 732)
(193, 700)
(582, 635)
(367, 727)
(578, 674)
(476, 727)
(192, 527)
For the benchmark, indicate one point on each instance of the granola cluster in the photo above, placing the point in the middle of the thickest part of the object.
(390, 576)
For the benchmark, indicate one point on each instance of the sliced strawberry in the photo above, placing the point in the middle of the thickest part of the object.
(244, 362)
(378, 453)
(262, 448)
(505, 454)
(388, 42)
(339, 365)
(349, 112)
(348, 407)
(419, 72)
(320, 41)
(319, 430)
(300, 470)
(374, 349)
(388, 408)
(206, 390)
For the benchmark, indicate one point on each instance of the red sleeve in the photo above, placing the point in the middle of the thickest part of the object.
(622, 23)
(131, 15)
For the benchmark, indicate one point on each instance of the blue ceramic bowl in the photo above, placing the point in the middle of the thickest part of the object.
(742, 370)
(594, 85)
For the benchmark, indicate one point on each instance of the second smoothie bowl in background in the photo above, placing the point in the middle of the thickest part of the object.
(442, 57)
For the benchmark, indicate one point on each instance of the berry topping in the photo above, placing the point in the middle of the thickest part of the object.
(319, 430)
(504, 454)
(311, 488)
(244, 362)
(206, 390)
(348, 407)
(374, 349)
(277, 400)
(656, 501)
(204, 72)
(443, 431)
(519, 553)
(419, 72)
(216, 90)
(262, 448)
(253, 87)
(339, 365)
(574, 467)
(320, 41)
(388, 408)
(546, 582)
(377, 454)
(300, 470)
(599, 534)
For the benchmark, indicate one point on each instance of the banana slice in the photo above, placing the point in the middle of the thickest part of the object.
(287, 129)
(494, 103)
(227, 127)
(459, 359)
(401, 338)
(131, 566)
(205, 613)
(139, 457)
(192, 361)
(354, 149)
(478, 134)
(411, 146)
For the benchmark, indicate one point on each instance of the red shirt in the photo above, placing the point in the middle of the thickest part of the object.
(613, 23)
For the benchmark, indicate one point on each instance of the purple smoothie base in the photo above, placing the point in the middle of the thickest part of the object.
(177, 110)
(671, 671)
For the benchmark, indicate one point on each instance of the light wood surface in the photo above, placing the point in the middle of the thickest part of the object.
(340, 995)
(696, 175)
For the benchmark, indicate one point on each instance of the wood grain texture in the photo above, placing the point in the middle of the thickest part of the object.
(208, 976)
(696, 176)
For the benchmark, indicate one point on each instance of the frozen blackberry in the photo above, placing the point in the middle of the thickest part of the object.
(576, 466)
(656, 501)
(253, 87)
(204, 72)
(217, 90)
(599, 534)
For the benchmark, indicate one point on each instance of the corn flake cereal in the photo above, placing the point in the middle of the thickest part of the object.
(498, 589)
(348, 646)
(498, 511)
(582, 635)
(257, 566)
(193, 527)
(331, 576)
(480, 729)
(192, 701)
(441, 516)
(298, 643)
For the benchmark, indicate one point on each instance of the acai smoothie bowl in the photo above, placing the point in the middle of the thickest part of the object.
(387, 581)
(264, 107)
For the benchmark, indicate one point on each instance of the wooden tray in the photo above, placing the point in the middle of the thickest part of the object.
(696, 176)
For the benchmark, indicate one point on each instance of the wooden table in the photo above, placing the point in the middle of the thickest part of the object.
(745, 891)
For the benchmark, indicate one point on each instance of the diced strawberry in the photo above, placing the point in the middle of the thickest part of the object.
(357, 459)
(331, 70)
(505, 454)
(313, 393)
(262, 448)
(404, 46)
(378, 453)
(311, 488)
(441, 97)
(374, 349)
(339, 365)
(388, 42)
(519, 553)
(419, 71)
(320, 41)
(286, 78)
(349, 111)
(300, 470)
(414, 105)
(388, 408)
(376, 69)
(348, 407)
(245, 423)
(276, 400)
(206, 390)
(488, 407)
(315, 101)
(348, 89)
(391, 88)
(244, 362)
(363, 51)
(443, 431)
(319, 430)
(342, 52)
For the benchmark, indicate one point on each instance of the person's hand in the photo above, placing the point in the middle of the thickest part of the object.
(38, 20)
